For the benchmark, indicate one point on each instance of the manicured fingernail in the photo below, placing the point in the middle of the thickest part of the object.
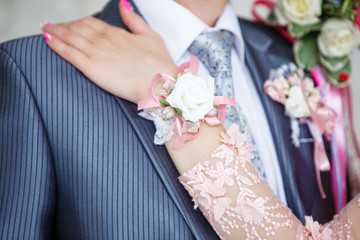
(48, 36)
(126, 4)
(47, 24)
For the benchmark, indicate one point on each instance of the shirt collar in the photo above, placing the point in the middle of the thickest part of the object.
(179, 27)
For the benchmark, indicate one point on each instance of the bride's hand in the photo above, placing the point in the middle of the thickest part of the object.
(120, 62)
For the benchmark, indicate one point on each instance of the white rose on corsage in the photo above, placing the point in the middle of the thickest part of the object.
(338, 37)
(193, 95)
(295, 104)
(302, 12)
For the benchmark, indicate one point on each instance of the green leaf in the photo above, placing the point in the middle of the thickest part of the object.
(216, 106)
(164, 103)
(346, 5)
(171, 90)
(333, 64)
(306, 51)
(176, 78)
(179, 111)
(334, 77)
(299, 31)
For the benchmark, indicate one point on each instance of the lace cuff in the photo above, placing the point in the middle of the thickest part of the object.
(234, 198)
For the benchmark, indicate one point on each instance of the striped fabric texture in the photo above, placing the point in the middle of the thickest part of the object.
(78, 163)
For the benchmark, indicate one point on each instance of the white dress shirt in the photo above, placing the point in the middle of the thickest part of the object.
(178, 27)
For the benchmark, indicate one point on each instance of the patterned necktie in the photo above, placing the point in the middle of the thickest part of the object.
(214, 50)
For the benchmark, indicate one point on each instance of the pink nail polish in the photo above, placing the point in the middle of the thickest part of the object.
(48, 36)
(47, 24)
(126, 4)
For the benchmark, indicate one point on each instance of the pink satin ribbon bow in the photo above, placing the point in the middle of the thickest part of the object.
(153, 102)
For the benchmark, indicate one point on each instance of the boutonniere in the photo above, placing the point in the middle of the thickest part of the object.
(303, 103)
(324, 32)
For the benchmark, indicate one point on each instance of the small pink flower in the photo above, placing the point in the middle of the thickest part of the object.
(296, 77)
(168, 112)
(222, 175)
(234, 137)
(191, 127)
(314, 230)
(168, 86)
(250, 211)
(210, 195)
(212, 113)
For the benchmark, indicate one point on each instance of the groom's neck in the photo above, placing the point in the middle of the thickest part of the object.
(207, 10)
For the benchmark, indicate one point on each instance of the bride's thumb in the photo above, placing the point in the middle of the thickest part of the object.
(133, 21)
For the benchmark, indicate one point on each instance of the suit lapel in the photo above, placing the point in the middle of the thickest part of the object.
(158, 154)
(260, 60)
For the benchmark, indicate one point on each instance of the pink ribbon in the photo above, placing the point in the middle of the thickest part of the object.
(333, 97)
(349, 108)
(270, 5)
(317, 126)
(153, 102)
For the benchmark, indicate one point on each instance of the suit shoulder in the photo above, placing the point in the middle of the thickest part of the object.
(264, 29)
(261, 37)
(25, 46)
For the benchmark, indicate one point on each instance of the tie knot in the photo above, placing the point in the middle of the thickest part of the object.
(214, 50)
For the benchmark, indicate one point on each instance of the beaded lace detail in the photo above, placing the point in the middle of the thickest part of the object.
(234, 198)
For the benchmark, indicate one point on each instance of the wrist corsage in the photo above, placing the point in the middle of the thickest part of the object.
(183, 104)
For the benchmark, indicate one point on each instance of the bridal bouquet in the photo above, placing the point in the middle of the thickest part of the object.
(324, 33)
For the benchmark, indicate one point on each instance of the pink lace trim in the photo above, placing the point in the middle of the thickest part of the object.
(234, 197)
(209, 181)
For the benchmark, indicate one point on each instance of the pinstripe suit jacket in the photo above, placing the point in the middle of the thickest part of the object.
(78, 163)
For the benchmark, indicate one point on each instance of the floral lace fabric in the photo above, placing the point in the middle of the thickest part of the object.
(237, 202)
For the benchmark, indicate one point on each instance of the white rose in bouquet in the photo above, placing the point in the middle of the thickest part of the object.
(302, 12)
(338, 37)
(193, 95)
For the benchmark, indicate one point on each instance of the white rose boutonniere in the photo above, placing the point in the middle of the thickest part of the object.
(337, 38)
(193, 95)
(302, 12)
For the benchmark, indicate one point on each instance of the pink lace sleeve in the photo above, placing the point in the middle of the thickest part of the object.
(239, 204)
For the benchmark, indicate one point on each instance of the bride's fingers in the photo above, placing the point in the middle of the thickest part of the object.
(70, 54)
(95, 23)
(70, 37)
(133, 21)
(83, 29)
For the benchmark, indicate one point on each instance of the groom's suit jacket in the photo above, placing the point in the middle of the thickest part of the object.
(78, 163)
